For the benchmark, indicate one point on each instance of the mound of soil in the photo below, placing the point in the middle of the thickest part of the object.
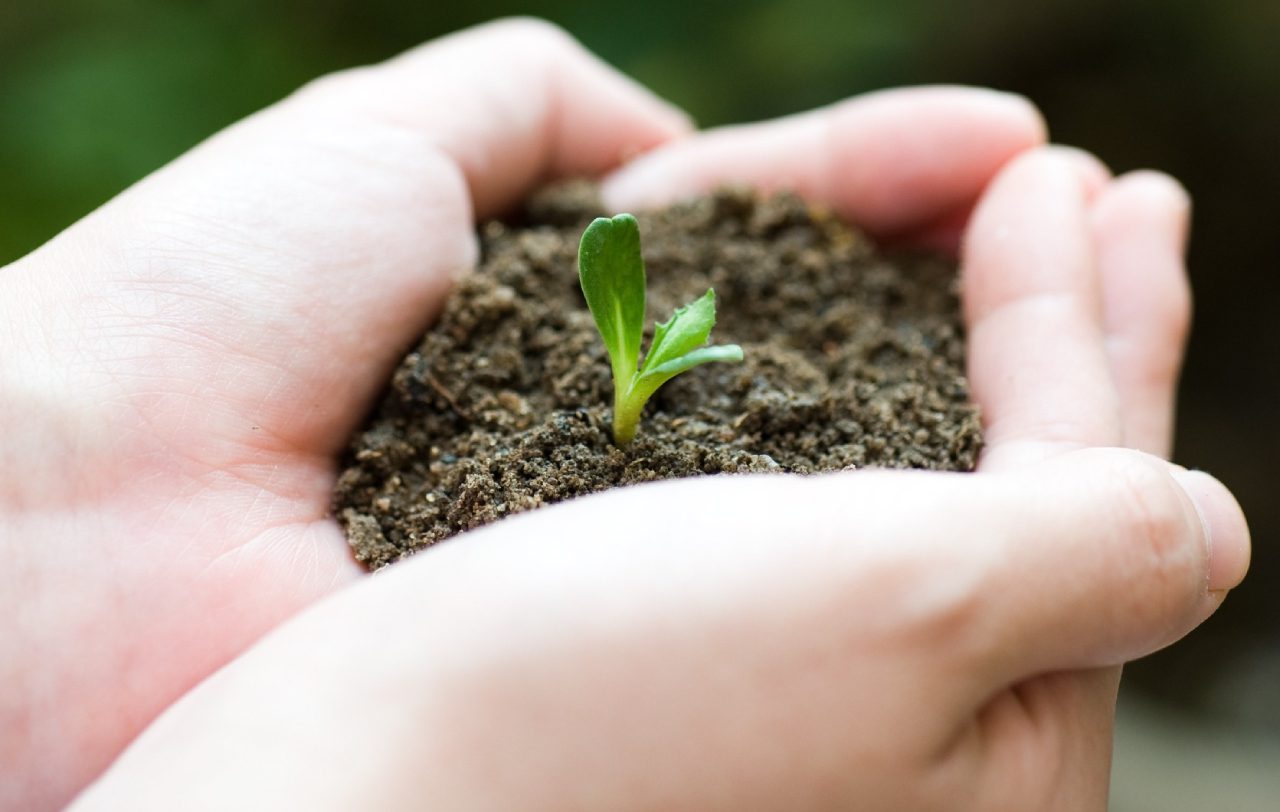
(852, 359)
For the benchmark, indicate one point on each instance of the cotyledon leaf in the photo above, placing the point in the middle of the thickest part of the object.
(611, 271)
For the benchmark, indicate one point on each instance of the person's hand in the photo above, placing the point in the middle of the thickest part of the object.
(178, 370)
(870, 640)
(867, 640)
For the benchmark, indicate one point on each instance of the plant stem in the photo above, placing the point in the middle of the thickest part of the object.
(626, 417)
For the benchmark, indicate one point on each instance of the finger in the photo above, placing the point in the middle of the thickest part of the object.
(525, 102)
(947, 235)
(1119, 554)
(890, 162)
(1033, 306)
(1140, 226)
(268, 279)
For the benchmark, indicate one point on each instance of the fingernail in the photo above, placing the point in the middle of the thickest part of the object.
(1225, 530)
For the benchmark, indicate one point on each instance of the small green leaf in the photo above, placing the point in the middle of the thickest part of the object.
(611, 272)
(702, 355)
(686, 330)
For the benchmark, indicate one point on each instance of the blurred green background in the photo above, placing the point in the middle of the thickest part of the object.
(96, 93)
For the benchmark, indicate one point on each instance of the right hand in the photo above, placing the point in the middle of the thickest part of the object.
(871, 640)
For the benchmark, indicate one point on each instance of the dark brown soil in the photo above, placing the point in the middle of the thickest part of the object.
(852, 360)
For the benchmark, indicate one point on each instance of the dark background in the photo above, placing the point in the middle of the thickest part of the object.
(96, 93)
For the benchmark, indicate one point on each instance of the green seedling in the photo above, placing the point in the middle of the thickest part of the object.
(611, 271)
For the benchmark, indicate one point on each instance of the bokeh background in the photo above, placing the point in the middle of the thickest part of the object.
(96, 93)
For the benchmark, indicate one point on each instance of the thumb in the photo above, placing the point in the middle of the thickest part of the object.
(643, 608)
(1108, 555)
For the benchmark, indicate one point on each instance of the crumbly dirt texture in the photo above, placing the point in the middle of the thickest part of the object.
(853, 360)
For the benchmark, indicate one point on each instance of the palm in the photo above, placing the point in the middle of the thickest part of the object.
(222, 377)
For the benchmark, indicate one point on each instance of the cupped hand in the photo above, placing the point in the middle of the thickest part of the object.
(178, 375)
(871, 640)
(179, 369)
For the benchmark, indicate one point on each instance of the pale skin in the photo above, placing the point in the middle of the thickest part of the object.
(185, 626)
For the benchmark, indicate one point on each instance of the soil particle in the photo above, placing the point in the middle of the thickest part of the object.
(853, 359)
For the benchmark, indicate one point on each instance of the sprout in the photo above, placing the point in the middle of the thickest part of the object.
(611, 271)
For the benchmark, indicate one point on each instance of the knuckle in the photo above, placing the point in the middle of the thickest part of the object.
(532, 39)
(1177, 315)
(1149, 508)
(535, 32)
(940, 600)
(1154, 531)
(337, 87)
(532, 46)
(1159, 350)
(1171, 314)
